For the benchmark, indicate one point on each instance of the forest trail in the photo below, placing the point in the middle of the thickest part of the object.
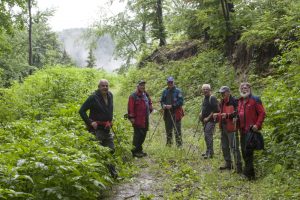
(145, 184)
(172, 173)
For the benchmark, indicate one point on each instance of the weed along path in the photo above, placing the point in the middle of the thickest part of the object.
(172, 173)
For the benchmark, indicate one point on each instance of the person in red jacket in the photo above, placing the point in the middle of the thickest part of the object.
(251, 117)
(139, 109)
(227, 122)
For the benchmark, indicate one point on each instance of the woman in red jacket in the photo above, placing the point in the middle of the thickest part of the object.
(251, 116)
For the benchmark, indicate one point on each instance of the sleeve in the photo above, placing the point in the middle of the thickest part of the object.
(131, 113)
(215, 104)
(261, 114)
(179, 101)
(235, 106)
(86, 106)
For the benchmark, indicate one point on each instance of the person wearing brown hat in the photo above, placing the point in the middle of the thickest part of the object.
(227, 122)
(139, 109)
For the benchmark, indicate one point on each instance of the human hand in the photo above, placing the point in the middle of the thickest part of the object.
(168, 107)
(254, 128)
(206, 119)
(215, 115)
(132, 120)
(94, 125)
(223, 115)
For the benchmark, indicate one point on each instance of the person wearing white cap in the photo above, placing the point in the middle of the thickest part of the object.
(172, 102)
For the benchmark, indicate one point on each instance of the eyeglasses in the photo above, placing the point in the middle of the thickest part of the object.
(170, 82)
(245, 88)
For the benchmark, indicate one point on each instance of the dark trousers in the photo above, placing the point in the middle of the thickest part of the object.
(170, 125)
(248, 157)
(105, 138)
(139, 137)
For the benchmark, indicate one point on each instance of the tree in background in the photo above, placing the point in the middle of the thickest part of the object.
(135, 29)
(29, 4)
(9, 18)
(46, 49)
(91, 59)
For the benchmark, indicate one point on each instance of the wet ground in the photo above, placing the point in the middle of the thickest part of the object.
(145, 185)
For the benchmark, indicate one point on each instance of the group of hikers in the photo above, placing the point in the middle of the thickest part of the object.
(245, 114)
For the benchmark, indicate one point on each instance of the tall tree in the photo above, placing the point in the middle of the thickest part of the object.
(29, 4)
(91, 60)
(161, 32)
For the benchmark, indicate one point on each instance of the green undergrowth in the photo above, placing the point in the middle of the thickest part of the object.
(46, 152)
(184, 174)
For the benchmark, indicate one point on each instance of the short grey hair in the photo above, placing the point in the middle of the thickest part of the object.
(102, 80)
(206, 86)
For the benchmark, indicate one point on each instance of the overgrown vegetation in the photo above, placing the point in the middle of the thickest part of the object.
(46, 153)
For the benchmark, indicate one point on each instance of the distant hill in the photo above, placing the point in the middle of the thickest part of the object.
(77, 49)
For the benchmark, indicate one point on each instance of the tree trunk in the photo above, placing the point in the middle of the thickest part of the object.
(161, 27)
(29, 34)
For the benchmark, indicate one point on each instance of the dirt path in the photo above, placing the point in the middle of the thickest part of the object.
(144, 185)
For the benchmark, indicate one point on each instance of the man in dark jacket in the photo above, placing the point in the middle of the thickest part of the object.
(227, 121)
(209, 106)
(251, 117)
(99, 121)
(171, 102)
(139, 109)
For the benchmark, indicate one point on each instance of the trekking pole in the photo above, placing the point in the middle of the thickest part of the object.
(200, 135)
(234, 144)
(193, 137)
(115, 135)
(174, 124)
(158, 122)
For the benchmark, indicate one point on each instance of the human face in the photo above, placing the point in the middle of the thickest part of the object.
(142, 87)
(245, 91)
(225, 94)
(170, 84)
(103, 87)
(206, 91)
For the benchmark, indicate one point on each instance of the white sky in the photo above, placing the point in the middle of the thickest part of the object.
(77, 13)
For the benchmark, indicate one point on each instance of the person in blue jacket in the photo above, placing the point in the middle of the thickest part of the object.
(172, 102)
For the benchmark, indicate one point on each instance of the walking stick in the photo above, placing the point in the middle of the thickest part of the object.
(193, 137)
(234, 144)
(174, 124)
(151, 136)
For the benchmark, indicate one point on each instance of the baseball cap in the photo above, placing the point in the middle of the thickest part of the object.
(170, 79)
(224, 89)
(141, 82)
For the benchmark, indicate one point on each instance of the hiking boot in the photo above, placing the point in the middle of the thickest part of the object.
(112, 171)
(203, 154)
(144, 154)
(208, 156)
(138, 154)
(227, 166)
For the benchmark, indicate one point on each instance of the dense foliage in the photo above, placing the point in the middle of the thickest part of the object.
(46, 153)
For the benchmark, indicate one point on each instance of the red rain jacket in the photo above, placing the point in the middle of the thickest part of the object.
(139, 108)
(250, 113)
